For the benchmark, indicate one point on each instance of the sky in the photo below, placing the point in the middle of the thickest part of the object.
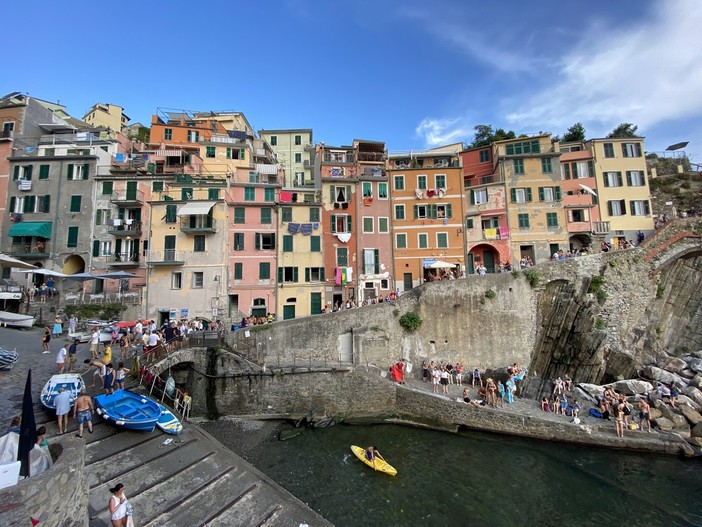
(414, 74)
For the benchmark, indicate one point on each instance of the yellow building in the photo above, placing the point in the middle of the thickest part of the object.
(230, 147)
(295, 153)
(186, 257)
(622, 187)
(532, 175)
(108, 115)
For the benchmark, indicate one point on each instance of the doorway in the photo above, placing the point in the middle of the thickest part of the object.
(288, 312)
(407, 281)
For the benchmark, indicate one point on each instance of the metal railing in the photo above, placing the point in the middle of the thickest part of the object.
(135, 195)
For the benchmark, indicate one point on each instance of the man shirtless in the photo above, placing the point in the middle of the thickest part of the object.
(644, 414)
(83, 408)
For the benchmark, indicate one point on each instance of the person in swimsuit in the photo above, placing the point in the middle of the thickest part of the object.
(372, 453)
(619, 419)
(83, 411)
(45, 340)
(467, 399)
(644, 414)
(109, 380)
(120, 375)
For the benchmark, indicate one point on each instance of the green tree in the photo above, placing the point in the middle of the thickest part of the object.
(574, 133)
(485, 135)
(624, 130)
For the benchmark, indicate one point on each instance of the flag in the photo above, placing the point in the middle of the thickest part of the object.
(28, 428)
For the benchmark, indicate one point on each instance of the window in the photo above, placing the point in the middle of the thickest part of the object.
(238, 241)
(198, 280)
(546, 166)
(577, 215)
(367, 189)
(107, 187)
(442, 240)
(399, 212)
(518, 166)
(608, 149)
(298, 157)
(75, 203)
(314, 214)
(421, 212)
(286, 214)
(265, 241)
(523, 220)
(440, 181)
(478, 197)
(368, 224)
(249, 193)
(549, 194)
(635, 178)
(168, 136)
(399, 182)
(236, 153)
(341, 223)
(193, 136)
(484, 156)
(423, 240)
(340, 193)
(422, 182)
(639, 207)
(157, 186)
(342, 256)
(612, 179)
(264, 271)
(269, 195)
(49, 152)
(43, 204)
(186, 193)
(213, 193)
(314, 274)
(274, 140)
(578, 170)
(266, 216)
(616, 207)
(171, 212)
(102, 217)
(105, 248)
(210, 152)
(199, 243)
(287, 274)
(298, 139)
(43, 171)
(72, 237)
(315, 244)
(239, 215)
(441, 211)
(22, 172)
(238, 270)
(525, 147)
(631, 149)
(520, 195)
(383, 225)
(371, 261)
(8, 126)
(176, 280)
(401, 240)
(77, 172)
(552, 219)
(287, 243)
(382, 190)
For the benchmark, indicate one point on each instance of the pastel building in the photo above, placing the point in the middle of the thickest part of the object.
(105, 115)
(294, 151)
(427, 213)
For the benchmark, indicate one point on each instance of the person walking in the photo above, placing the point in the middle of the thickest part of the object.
(118, 506)
(61, 359)
(83, 409)
(45, 339)
(95, 343)
(72, 352)
(63, 405)
(72, 323)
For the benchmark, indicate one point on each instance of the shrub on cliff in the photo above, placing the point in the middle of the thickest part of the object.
(410, 321)
(533, 277)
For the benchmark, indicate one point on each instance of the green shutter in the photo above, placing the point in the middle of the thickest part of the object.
(15, 174)
(591, 168)
(280, 275)
(69, 173)
(472, 197)
(75, 203)
(307, 274)
(628, 178)
(449, 213)
(315, 244)
(566, 170)
(647, 207)
(528, 193)
(432, 211)
(295, 279)
(13, 202)
(321, 274)
(416, 212)
(86, 170)
(257, 241)
(72, 237)
(376, 257)
(557, 193)
(28, 204)
(541, 193)
(349, 223)
(242, 154)
(513, 195)
(47, 203)
(28, 173)
(96, 247)
(98, 217)
(333, 223)
(44, 172)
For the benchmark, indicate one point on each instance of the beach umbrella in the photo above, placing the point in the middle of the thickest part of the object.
(588, 189)
(48, 272)
(440, 264)
(28, 428)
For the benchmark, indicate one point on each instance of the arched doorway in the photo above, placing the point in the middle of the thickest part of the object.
(580, 241)
(486, 255)
(73, 264)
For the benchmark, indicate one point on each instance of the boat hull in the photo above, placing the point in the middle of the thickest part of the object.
(16, 320)
(168, 422)
(71, 382)
(377, 464)
(128, 410)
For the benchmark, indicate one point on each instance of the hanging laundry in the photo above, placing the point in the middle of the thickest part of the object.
(349, 274)
(367, 201)
(117, 222)
(343, 275)
(315, 226)
(337, 280)
(306, 228)
(490, 234)
(285, 196)
(440, 192)
(430, 193)
(344, 236)
(293, 228)
(503, 232)
(418, 193)
(119, 158)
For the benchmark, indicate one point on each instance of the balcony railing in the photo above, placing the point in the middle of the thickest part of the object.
(339, 158)
(128, 196)
(122, 228)
(482, 180)
(36, 248)
(124, 259)
(601, 227)
(374, 157)
(219, 138)
(164, 257)
(198, 224)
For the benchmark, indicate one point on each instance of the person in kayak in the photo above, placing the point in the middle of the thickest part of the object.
(372, 453)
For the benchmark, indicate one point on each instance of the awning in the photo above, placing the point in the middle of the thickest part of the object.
(42, 229)
(196, 208)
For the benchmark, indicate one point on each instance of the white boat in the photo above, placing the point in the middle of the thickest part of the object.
(71, 382)
(17, 320)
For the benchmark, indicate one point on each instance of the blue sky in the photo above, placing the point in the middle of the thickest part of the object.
(414, 74)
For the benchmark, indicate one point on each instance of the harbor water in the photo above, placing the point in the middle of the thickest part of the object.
(475, 479)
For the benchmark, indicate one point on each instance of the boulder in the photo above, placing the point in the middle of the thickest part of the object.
(592, 389)
(655, 413)
(660, 375)
(697, 381)
(684, 399)
(671, 364)
(677, 420)
(694, 363)
(696, 430)
(687, 373)
(632, 386)
(582, 395)
(690, 414)
(664, 424)
(695, 441)
(693, 393)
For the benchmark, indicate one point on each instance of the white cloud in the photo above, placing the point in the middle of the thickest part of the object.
(646, 74)
(438, 132)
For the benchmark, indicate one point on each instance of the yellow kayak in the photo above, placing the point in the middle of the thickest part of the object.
(377, 463)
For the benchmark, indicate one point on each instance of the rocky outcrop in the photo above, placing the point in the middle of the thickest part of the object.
(664, 424)
(694, 393)
(660, 375)
(692, 415)
(671, 364)
(671, 415)
(633, 387)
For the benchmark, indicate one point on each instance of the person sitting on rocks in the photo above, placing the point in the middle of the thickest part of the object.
(558, 386)
(467, 399)
(544, 404)
(567, 383)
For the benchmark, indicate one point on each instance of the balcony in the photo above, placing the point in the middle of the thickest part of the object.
(342, 159)
(34, 249)
(166, 257)
(128, 197)
(7, 134)
(200, 224)
(580, 226)
(125, 228)
(372, 157)
(482, 180)
(307, 164)
(126, 259)
(600, 227)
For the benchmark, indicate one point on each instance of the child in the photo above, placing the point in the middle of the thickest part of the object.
(120, 375)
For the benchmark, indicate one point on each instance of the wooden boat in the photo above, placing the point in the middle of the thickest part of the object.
(8, 359)
(129, 409)
(70, 382)
(377, 464)
(168, 422)
(16, 320)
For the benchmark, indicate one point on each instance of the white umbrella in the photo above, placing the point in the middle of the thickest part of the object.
(439, 264)
(47, 272)
(9, 261)
(587, 189)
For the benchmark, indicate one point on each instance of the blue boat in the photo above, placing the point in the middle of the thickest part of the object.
(168, 422)
(129, 409)
(70, 382)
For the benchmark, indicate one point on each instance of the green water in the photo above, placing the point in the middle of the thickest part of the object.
(480, 479)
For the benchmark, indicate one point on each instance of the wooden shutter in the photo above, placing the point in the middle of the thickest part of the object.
(96, 247)
(47, 203)
(472, 197)
(513, 195)
(541, 193)
(44, 172)
(647, 207)
(307, 274)
(416, 212)
(628, 178)
(257, 243)
(566, 170)
(528, 194)
(349, 223)
(449, 213)
(295, 279)
(623, 204)
(69, 172)
(333, 223)
(609, 207)
(376, 259)
(86, 170)
(28, 172)
(619, 179)
(557, 193)
(432, 211)
(13, 202)
(321, 274)
(591, 168)
(280, 275)
(15, 174)
(605, 178)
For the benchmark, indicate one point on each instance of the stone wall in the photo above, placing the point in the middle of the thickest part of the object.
(60, 493)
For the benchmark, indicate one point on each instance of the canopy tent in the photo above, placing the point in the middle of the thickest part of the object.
(40, 229)
(116, 275)
(81, 276)
(8, 261)
(439, 264)
(196, 208)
